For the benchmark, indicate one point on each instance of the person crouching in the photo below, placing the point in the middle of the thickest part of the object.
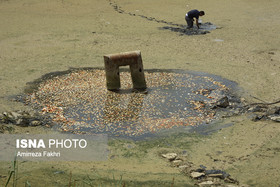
(190, 17)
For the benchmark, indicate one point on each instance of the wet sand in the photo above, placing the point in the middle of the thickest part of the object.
(37, 38)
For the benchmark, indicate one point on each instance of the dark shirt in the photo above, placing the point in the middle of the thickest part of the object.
(193, 14)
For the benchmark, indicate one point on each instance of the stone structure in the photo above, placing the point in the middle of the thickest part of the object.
(133, 60)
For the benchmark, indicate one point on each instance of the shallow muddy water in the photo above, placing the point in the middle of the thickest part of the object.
(78, 101)
(182, 30)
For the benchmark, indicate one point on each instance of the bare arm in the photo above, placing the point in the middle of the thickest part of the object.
(196, 21)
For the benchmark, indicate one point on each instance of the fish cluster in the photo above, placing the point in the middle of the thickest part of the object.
(79, 102)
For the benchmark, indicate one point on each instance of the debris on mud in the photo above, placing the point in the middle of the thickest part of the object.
(263, 111)
(21, 118)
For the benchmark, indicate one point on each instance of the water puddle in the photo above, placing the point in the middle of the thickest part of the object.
(182, 30)
(77, 101)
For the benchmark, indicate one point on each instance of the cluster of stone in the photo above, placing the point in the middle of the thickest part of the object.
(201, 175)
(21, 118)
(264, 112)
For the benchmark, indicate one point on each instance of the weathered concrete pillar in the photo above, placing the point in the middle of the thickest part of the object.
(133, 60)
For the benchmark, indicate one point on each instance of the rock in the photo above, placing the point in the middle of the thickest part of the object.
(5, 118)
(35, 123)
(170, 156)
(219, 99)
(218, 175)
(243, 100)
(183, 167)
(206, 183)
(235, 111)
(223, 102)
(177, 162)
(19, 121)
(256, 117)
(216, 94)
(274, 118)
(256, 108)
(15, 115)
(20, 118)
(273, 110)
(197, 175)
(23, 122)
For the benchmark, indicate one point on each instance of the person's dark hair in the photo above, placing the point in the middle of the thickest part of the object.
(202, 12)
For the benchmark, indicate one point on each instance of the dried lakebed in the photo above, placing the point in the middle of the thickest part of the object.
(77, 101)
